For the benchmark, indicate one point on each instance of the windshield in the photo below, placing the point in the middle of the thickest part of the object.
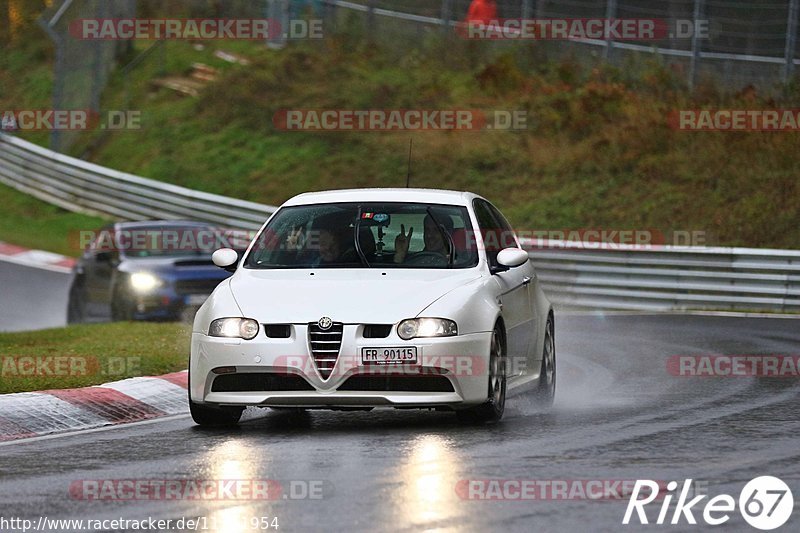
(391, 235)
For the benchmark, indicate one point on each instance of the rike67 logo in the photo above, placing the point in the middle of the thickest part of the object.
(765, 503)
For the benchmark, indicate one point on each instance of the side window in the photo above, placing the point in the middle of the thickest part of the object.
(507, 237)
(489, 229)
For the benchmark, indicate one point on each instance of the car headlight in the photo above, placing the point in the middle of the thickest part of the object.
(235, 328)
(144, 281)
(426, 327)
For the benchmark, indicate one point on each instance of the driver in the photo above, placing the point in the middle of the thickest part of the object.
(328, 247)
(432, 235)
(333, 245)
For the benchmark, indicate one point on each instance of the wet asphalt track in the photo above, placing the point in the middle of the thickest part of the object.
(619, 415)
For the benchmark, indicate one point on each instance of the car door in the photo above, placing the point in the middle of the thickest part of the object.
(527, 273)
(513, 290)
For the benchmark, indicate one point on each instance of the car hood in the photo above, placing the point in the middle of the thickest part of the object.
(366, 296)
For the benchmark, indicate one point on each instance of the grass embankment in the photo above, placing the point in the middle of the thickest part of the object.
(598, 151)
(84, 355)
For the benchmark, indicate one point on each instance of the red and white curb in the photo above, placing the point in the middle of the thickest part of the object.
(36, 258)
(34, 414)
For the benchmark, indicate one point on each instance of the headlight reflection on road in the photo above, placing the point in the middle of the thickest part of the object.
(429, 480)
(232, 460)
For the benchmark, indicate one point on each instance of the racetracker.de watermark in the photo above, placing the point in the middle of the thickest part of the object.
(564, 29)
(544, 489)
(735, 120)
(256, 29)
(191, 239)
(69, 120)
(324, 120)
(374, 364)
(733, 366)
(114, 490)
(25, 366)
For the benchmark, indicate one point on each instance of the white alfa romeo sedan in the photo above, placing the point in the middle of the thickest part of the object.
(357, 299)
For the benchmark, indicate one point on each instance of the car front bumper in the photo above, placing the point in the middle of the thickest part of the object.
(462, 360)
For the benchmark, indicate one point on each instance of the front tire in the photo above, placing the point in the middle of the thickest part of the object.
(76, 303)
(215, 416)
(546, 389)
(121, 306)
(492, 410)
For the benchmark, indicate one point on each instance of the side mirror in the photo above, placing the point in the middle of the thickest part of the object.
(512, 257)
(225, 258)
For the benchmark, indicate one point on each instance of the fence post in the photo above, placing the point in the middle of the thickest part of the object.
(58, 78)
(611, 12)
(791, 42)
(698, 10)
(370, 18)
(98, 66)
(447, 14)
(278, 10)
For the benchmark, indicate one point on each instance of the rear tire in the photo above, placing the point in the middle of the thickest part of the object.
(492, 410)
(215, 416)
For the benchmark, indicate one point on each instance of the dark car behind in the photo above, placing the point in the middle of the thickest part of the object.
(155, 270)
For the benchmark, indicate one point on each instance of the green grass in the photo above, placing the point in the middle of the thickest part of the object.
(598, 152)
(26, 75)
(91, 354)
(26, 221)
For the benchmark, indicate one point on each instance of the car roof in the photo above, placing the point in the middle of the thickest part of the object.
(432, 196)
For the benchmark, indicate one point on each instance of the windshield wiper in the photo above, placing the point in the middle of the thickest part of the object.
(446, 235)
(357, 233)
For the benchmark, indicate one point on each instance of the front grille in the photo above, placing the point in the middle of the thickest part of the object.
(398, 384)
(325, 345)
(196, 286)
(259, 382)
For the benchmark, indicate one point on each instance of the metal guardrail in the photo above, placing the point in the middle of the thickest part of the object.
(79, 186)
(669, 278)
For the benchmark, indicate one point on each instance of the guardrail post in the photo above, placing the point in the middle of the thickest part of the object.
(698, 10)
(791, 41)
(611, 12)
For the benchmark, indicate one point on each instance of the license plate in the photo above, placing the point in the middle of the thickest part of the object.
(196, 299)
(389, 356)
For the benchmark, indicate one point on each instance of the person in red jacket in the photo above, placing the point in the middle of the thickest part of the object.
(482, 12)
